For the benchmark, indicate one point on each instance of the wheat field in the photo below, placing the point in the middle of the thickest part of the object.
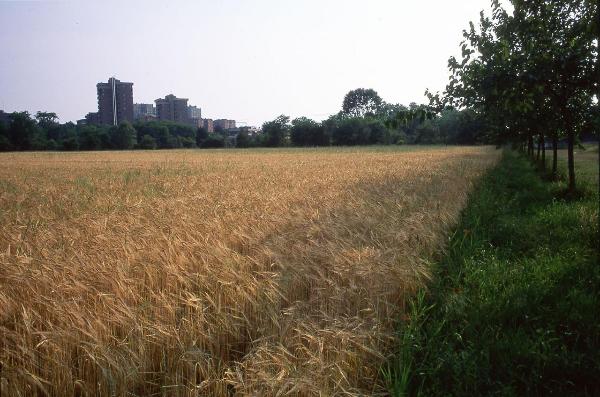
(217, 273)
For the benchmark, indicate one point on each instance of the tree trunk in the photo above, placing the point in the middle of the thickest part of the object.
(530, 146)
(555, 155)
(539, 149)
(543, 143)
(571, 159)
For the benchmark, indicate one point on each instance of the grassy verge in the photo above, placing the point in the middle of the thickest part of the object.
(514, 308)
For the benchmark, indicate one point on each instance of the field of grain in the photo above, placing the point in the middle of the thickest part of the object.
(216, 272)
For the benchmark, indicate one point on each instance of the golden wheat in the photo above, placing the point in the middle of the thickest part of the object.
(216, 272)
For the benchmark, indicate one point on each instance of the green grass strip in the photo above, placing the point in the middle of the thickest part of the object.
(514, 308)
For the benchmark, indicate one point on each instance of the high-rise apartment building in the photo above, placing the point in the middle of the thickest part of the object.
(92, 118)
(208, 125)
(194, 112)
(142, 110)
(115, 102)
(194, 116)
(172, 108)
(224, 124)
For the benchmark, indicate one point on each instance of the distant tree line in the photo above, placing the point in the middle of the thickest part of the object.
(365, 119)
(43, 132)
(533, 75)
(450, 127)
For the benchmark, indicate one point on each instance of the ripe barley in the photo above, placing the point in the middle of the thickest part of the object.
(211, 272)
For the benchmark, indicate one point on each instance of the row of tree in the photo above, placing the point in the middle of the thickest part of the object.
(43, 132)
(532, 74)
(364, 120)
(408, 126)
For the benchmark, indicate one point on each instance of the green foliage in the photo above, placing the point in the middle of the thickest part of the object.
(5, 144)
(512, 309)
(410, 118)
(22, 131)
(164, 138)
(186, 141)
(531, 73)
(464, 127)
(168, 135)
(39, 140)
(201, 135)
(68, 138)
(361, 102)
(182, 130)
(92, 137)
(427, 133)
(214, 141)
(123, 137)
(350, 131)
(385, 124)
(147, 142)
(50, 145)
(307, 132)
(356, 131)
(276, 132)
(48, 122)
(243, 140)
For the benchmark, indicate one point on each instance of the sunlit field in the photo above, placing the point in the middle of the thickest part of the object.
(586, 161)
(261, 272)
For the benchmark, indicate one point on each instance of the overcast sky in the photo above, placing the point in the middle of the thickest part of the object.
(245, 60)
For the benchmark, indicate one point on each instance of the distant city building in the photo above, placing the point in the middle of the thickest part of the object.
(172, 108)
(224, 124)
(115, 102)
(195, 122)
(208, 125)
(195, 116)
(141, 110)
(4, 117)
(194, 112)
(251, 131)
(90, 118)
(147, 117)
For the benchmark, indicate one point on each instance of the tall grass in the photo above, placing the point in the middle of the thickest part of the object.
(513, 305)
(216, 273)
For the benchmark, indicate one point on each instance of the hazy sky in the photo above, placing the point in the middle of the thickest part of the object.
(245, 60)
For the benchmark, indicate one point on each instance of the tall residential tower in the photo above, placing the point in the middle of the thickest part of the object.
(115, 102)
(143, 110)
(172, 108)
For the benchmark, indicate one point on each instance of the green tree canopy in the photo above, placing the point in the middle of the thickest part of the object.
(123, 137)
(147, 142)
(22, 131)
(276, 131)
(307, 132)
(531, 72)
(242, 140)
(361, 102)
